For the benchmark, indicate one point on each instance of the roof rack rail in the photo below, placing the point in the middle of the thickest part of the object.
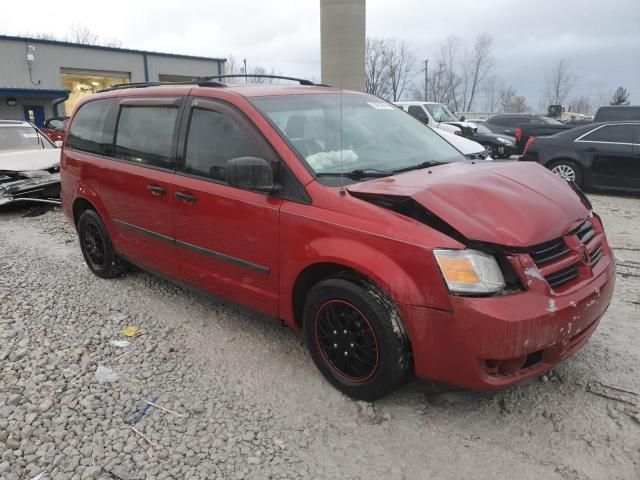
(301, 81)
(122, 86)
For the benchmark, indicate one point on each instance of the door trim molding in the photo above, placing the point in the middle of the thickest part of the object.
(188, 246)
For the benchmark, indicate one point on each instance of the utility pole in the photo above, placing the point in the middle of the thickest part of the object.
(244, 60)
(426, 80)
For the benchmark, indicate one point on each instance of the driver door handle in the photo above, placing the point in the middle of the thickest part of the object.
(186, 197)
(156, 190)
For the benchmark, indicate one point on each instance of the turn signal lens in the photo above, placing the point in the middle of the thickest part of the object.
(470, 271)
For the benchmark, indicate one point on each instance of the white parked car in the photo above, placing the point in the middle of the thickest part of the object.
(438, 115)
(29, 164)
(470, 149)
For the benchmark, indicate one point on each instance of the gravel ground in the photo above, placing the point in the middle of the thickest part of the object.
(245, 400)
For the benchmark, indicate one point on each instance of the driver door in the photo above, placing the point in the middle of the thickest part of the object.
(226, 237)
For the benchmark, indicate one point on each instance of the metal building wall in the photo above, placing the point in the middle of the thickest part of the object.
(343, 39)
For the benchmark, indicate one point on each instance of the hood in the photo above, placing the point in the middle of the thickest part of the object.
(463, 144)
(24, 160)
(516, 204)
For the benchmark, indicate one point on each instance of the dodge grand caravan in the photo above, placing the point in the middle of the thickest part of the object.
(342, 216)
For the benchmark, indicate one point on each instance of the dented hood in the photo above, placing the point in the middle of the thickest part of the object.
(515, 204)
(25, 160)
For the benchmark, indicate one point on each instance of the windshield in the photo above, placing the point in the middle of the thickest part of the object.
(440, 112)
(375, 135)
(21, 138)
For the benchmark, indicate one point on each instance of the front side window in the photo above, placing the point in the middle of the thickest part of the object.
(610, 133)
(145, 135)
(22, 138)
(56, 124)
(417, 112)
(93, 126)
(214, 139)
(338, 134)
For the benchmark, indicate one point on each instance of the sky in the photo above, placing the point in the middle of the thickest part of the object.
(600, 39)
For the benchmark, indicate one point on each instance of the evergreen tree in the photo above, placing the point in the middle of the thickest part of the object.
(620, 97)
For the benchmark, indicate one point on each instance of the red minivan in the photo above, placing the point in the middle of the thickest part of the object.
(340, 214)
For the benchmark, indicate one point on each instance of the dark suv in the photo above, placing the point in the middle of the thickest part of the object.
(524, 126)
(342, 215)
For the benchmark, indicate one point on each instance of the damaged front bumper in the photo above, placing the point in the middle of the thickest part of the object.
(40, 187)
(492, 342)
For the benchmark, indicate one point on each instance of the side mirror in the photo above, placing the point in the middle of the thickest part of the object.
(58, 143)
(462, 118)
(251, 173)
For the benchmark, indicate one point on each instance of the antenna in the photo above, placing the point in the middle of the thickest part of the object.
(342, 190)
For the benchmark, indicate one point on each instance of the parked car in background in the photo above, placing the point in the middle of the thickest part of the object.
(523, 126)
(496, 145)
(438, 115)
(29, 164)
(470, 149)
(612, 113)
(342, 216)
(54, 128)
(600, 155)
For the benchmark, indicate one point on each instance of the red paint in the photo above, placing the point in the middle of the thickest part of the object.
(511, 204)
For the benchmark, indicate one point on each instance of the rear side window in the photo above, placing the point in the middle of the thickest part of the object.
(606, 114)
(93, 126)
(145, 135)
(610, 133)
(214, 139)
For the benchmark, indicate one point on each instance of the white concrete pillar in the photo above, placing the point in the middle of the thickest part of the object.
(343, 38)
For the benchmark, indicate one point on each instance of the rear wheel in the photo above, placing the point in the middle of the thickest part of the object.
(567, 170)
(356, 337)
(96, 246)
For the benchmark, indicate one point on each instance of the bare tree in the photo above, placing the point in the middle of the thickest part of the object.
(557, 84)
(477, 65)
(510, 102)
(376, 67)
(80, 34)
(447, 60)
(491, 88)
(581, 104)
(400, 62)
(439, 90)
(41, 35)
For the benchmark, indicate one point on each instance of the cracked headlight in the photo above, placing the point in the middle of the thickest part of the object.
(470, 271)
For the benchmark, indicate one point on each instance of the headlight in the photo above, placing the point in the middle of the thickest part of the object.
(470, 271)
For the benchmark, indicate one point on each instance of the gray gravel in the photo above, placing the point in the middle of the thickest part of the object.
(251, 404)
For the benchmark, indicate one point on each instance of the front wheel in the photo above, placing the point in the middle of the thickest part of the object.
(356, 337)
(567, 170)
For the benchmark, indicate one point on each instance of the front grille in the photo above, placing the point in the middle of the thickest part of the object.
(547, 255)
(549, 251)
(559, 278)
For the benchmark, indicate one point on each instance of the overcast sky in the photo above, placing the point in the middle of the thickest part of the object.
(601, 39)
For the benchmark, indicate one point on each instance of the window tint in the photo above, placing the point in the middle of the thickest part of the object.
(610, 133)
(636, 134)
(213, 139)
(417, 112)
(93, 126)
(145, 135)
(506, 121)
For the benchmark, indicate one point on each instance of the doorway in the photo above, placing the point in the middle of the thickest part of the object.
(34, 114)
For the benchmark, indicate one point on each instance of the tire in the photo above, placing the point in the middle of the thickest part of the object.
(367, 326)
(490, 150)
(567, 170)
(96, 246)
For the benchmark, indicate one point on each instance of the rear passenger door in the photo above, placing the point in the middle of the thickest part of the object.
(135, 188)
(610, 151)
(226, 237)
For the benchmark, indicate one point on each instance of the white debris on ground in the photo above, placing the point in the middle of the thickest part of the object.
(238, 397)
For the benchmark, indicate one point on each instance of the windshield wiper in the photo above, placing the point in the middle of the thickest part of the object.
(358, 173)
(419, 166)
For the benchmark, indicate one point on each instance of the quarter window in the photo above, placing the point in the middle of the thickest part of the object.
(213, 140)
(145, 135)
(93, 126)
(610, 133)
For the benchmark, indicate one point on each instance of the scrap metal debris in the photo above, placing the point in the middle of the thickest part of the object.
(131, 331)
